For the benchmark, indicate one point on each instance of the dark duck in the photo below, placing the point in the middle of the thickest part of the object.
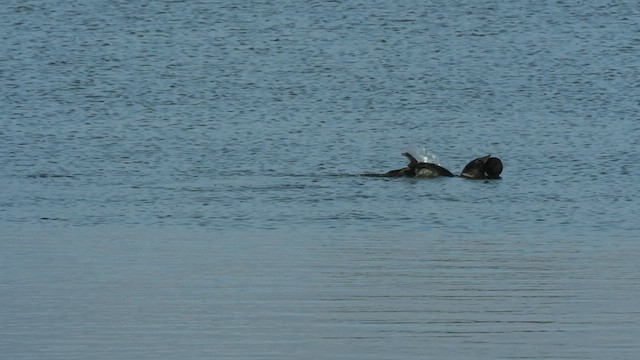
(486, 167)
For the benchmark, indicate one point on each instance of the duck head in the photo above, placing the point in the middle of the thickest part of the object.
(486, 167)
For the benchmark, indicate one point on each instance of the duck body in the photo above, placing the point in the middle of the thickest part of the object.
(485, 167)
(419, 169)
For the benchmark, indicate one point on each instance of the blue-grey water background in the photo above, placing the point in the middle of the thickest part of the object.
(180, 180)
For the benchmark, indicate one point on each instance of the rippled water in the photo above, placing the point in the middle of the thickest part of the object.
(182, 180)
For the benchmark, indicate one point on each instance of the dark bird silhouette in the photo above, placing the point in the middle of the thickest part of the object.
(486, 167)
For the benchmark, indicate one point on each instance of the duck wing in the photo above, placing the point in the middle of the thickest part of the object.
(412, 160)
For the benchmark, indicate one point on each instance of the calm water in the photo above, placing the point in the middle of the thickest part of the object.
(181, 180)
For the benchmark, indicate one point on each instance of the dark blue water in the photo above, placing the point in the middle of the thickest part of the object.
(181, 180)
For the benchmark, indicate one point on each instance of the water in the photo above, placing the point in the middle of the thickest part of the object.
(181, 180)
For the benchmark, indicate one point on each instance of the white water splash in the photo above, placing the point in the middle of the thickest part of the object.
(421, 154)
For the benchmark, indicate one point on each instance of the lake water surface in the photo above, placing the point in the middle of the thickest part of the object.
(182, 180)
